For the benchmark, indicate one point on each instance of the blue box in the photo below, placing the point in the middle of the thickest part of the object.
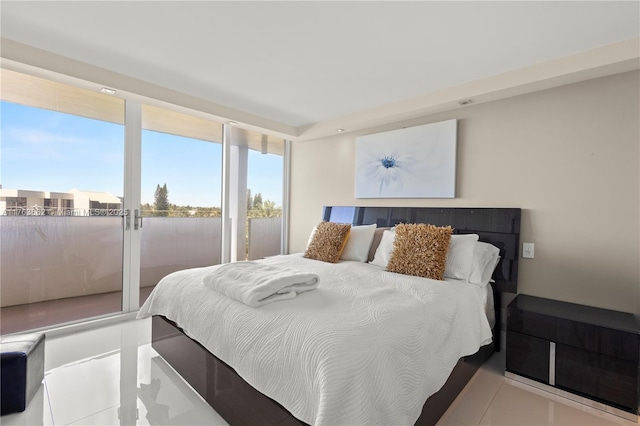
(22, 370)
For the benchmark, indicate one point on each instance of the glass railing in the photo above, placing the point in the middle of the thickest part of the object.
(52, 266)
(170, 244)
(57, 269)
(55, 257)
(264, 237)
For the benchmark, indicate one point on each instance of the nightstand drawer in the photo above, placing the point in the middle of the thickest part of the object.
(528, 356)
(608, 379)
(532, 323)
(601, 340)
(615, 334)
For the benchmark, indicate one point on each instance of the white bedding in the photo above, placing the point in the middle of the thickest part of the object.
(366, 347)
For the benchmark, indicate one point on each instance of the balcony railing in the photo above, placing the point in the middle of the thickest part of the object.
(49, 258)
(263, 237)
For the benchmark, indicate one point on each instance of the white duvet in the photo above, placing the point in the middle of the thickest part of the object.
(367, 347)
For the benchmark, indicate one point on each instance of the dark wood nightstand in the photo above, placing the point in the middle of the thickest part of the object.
(586, 351)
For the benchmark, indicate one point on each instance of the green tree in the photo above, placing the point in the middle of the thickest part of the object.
(257, 201)
(269, 209)
(161, 203)
(147, 209)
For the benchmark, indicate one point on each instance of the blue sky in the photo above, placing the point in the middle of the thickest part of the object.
(44, 150)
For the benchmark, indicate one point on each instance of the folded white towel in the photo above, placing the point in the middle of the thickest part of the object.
(256, 284)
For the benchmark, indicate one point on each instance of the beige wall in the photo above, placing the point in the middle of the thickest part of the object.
(569, 157)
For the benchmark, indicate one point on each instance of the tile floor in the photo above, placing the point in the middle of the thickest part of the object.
(112, 376)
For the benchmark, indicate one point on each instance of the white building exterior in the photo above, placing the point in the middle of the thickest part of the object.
(22, 202)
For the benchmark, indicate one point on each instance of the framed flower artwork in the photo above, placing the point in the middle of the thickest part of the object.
(414, 162)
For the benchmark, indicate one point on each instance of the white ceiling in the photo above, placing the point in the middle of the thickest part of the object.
(304, 63)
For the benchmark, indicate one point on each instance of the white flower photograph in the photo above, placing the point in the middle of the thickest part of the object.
(414, 162)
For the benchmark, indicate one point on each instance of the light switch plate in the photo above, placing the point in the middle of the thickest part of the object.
(527, 250)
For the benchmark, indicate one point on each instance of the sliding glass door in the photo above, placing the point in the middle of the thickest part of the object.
(180, 194)
(61, 203)
(101, 197)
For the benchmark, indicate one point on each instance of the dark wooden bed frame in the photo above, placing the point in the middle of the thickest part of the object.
(240, 404)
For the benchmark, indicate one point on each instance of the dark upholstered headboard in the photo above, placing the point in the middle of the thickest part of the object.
(497, 226)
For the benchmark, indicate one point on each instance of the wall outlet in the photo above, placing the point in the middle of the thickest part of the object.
(527, 250)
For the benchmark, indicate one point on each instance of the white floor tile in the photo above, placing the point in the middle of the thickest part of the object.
(111, 375)
(520, 404)
(69, 348)
(448, 421)
(101, 375)
(170, 405)
(82, 388)
(474, 400)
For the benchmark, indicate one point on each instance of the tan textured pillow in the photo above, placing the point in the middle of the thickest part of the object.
(328, 241)
(420, 250)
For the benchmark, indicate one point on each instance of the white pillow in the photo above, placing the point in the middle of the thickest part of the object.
(460, 256)
(359, 243)
(313, 232)
(383, 252)
(485, 260)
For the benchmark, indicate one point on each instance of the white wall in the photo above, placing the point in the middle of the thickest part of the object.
(569, 157)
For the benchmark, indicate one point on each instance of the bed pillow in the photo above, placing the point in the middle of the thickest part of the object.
(313, 232)
(359, 243)
(328, 241)
(460, 256)
(485, 259)
(377, 238)
(420, 250)
(383, 252)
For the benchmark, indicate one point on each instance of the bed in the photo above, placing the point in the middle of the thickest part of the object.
(360, 349)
